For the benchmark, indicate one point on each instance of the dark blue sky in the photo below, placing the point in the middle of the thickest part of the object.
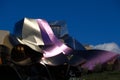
(89, 21)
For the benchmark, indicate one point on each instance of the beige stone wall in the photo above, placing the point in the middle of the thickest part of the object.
(4, 39)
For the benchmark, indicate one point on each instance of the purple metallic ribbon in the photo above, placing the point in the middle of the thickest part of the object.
(49, 38)
(40, 30)
(96, 57)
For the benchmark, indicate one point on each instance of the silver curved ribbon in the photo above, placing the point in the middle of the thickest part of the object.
(37, 32)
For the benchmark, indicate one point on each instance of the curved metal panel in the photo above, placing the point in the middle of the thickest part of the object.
(95, 57)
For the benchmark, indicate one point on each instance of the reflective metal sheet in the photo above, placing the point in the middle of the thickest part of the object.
(57, 47)
(95, 57)
(28, 32)
(37, 32)
(59, 59)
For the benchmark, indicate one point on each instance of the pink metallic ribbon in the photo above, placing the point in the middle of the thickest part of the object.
(49, 38)
(96, 57)
(37, 32)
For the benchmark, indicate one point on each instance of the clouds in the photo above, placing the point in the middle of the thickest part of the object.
(113, 47)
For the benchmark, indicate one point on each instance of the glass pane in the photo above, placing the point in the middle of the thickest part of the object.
(59, 28)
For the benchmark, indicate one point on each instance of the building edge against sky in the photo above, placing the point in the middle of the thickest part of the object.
(77, 46)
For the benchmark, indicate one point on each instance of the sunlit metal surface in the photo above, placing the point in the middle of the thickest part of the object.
(57, 46)
(28, 32)
(59, 59)
(37, 32)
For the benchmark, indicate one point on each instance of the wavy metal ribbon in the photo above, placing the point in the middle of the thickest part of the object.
(37, 32)
(31, 32)
(96, 57)
(57, 46)
(28, 32)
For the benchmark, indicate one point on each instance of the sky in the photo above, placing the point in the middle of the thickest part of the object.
(88, 21)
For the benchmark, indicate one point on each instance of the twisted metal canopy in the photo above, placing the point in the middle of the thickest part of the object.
(37, 32)
(27, 32)
(57, 47)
